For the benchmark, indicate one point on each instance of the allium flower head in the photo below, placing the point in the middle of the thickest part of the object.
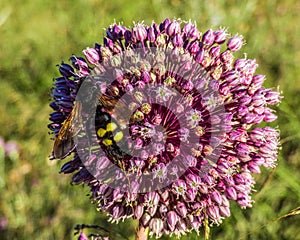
(163, 124)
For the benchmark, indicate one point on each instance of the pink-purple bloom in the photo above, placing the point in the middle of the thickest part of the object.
(228, 95)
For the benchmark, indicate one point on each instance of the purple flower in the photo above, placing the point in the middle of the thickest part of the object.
(187, 123)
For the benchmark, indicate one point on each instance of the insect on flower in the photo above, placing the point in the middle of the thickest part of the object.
(64, 143)
(107, 128)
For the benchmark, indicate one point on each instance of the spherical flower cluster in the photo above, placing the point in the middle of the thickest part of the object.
(190, 103)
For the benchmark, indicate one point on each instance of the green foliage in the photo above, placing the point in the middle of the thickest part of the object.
(37, 34)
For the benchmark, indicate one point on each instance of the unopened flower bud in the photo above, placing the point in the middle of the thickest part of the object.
(220, 36)
(208, 38)
(173, 28)
(234, 44)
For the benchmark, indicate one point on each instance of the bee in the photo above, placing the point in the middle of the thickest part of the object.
(107, 129)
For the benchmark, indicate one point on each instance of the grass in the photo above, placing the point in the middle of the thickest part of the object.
(37, 34)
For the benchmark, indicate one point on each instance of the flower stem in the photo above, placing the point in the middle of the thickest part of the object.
(141, 233)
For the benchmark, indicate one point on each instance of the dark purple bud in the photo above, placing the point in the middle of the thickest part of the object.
(117, 212)
(181, 226)
(163, 210)
(110, 33)
(253, 167)
(231, 193)
(164, 196)
(119, 31)
(139, 32)
(70, 167)
(128, 36)
(220, 36)
(83, 67)
(145, 219)
(257, 135)
(108, 43)
(60, 81)
(181, 209)
(242, 149)
(238, 135)
(234, 44)
(194, 47)
(74, 60)
(258, 80)
(240, 64)
(92, 55)
(152, 198)
(190, 195)
(173, 28)
(163, 26)
(82, 176)
(216, 196)
(138, 212)
(203, 189)
(258, 100)
(200, 55)
(152, 210)
(177, 40)
(156, 226)
(245, 100)
(225, 199)
(269, 117)
(151, 36)
(213, 213)
(117, 194)
(54, 127)
(215, 51)
(224, 211)
(239, 179)
(190, 31)
(57, 117)
(208, 38)
(172, 219)
(272, 97)
(66, 70)
(226, 57)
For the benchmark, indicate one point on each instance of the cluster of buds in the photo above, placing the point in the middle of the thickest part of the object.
(208, 104)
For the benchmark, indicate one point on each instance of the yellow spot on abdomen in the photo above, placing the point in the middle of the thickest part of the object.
(110, 127)
(118, 136)
(101, 132)
(107, 142)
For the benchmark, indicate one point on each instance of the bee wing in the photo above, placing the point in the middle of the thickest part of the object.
(64, 142)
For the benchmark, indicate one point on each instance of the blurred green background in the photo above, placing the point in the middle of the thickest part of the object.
(36, 202)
